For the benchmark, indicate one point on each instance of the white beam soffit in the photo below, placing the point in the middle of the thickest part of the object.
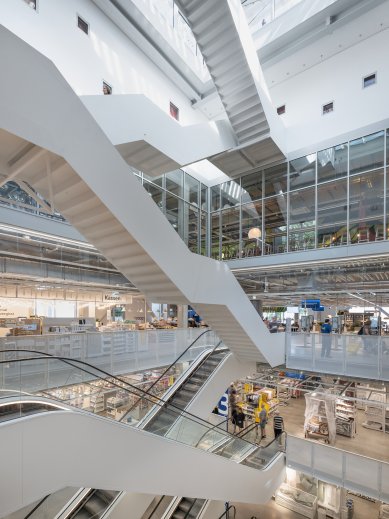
(224, 38)
(94, 189)
(306, 23)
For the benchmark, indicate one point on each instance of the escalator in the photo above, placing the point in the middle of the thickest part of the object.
(162, 418)
(117, 446)
(188, 508)
(94, 504)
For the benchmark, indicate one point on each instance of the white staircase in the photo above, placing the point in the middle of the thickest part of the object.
(150, 139)
(224, 38)
(94, 189)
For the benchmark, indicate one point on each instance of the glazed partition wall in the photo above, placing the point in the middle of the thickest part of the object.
(114, 352)
(350, 354)
(352, 471)
(184, 202)
(335, 197)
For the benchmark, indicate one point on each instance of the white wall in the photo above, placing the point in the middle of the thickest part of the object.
(86, 60)
(337, 79)
(41, 454)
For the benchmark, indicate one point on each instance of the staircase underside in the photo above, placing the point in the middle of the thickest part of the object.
(238, 161)
(50, 140)
(223, 36)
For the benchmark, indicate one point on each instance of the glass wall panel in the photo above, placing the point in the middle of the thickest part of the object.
(203, 243)
(276, 180)
(251, 187)
(175, 213)
(302, 219)
(175, 182)
(275, 224)
(230, 233)
(302, 172)
(159, 181)
(215, 235)
(204, 197)
(332, 214)
(366, 207)
(155, 192)
(387, 146)
(367, 153)
(332, 163)
(192, 187)
(215, 198)
(230, 194)
(252, 220)
(192, 228)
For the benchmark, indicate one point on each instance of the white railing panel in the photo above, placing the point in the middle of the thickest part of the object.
(327, 461)
(352, 471)
(361, 474)
(385, 482)
(113, 352)
(349, 354)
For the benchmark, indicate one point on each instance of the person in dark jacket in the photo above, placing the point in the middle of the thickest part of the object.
(240, 418)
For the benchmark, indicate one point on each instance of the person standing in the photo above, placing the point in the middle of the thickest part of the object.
(273, 325)
(326, 330)
(278, 425)
(262, 421)
(240, 418)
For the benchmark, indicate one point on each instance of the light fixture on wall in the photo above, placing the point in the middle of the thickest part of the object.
(254, 233)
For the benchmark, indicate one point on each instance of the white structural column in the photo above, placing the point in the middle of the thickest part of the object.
(94, 189)
(224, 38)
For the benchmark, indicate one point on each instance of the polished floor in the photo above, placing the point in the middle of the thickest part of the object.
(367, 442)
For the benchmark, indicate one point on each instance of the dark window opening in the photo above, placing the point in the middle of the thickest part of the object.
(107, 89)
(281, 110)
(83, 25)
(327, 108)
(369, 80)
(174, 111)
(31, 3)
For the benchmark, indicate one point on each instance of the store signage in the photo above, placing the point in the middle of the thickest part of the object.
(114, 297)
(222, 406)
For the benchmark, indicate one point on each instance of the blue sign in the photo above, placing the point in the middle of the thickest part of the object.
(222, 406)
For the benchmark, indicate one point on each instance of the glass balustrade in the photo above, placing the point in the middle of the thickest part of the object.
(100, 393)
(350, 354)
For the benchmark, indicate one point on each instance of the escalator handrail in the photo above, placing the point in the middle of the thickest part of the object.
(212, 428)
(166, 370)
(37, 506)
(226, 511)
(155, 400)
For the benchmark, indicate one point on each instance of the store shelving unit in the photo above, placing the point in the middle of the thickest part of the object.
(345, 417)
(375, 411)
(317, 425)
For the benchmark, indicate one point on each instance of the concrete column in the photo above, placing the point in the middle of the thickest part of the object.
(182, 316)
(257, 305)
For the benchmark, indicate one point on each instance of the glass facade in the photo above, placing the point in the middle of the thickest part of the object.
(184, 202)
(337, 196)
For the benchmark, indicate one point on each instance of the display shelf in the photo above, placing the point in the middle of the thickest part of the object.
(345, 417)
(296, 500)
(375, 411)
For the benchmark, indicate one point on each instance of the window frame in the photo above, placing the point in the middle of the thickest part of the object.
(79, 17)
(373, 74)
(326, 112)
